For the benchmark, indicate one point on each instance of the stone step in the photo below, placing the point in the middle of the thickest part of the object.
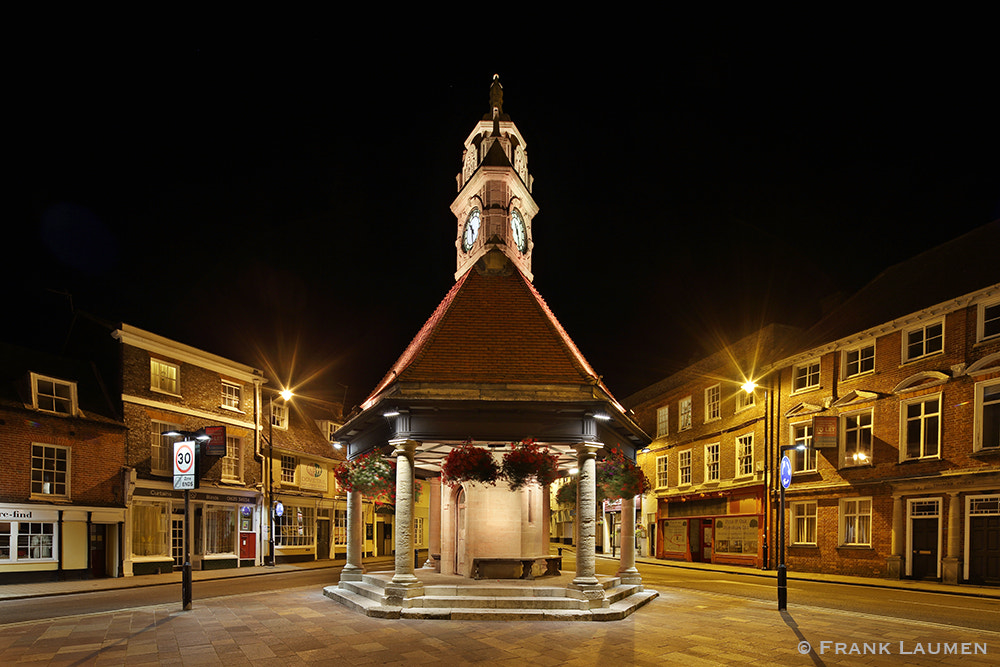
(507, 602)
(621, 592)
(623, 608)
(363, 588)
(495, 591)
(360, 603)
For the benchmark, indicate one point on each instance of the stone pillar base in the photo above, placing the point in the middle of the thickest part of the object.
(397, 592)
(351, 573)
(630, 577)
(592, 593)
(951, 571)
(894, 567)
(433, 562)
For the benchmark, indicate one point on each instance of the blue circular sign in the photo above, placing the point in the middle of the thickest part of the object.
(786, 472)
(279, 509)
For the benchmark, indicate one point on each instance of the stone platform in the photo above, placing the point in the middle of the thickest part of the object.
(448, 597)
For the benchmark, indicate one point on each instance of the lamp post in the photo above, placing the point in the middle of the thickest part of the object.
(286, 395)
(186, 592)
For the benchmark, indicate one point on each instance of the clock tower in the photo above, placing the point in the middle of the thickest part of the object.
(494, 208)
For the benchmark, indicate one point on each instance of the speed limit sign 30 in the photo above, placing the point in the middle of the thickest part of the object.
(184, 455)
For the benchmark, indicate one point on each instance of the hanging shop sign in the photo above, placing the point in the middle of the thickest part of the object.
(824, 432)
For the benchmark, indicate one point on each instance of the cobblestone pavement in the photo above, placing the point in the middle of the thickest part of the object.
(302, 627)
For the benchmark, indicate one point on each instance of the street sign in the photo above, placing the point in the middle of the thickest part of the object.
(785, 472)
(184, 460)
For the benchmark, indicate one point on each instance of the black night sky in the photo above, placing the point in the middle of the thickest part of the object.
(288, 207)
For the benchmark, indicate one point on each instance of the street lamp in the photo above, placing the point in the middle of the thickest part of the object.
(286, 395)
(786, 480)
(186, 593)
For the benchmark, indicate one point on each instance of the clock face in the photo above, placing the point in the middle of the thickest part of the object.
(519, 231)
(471, 231)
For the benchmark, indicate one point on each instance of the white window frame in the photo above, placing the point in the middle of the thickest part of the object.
(662, 421)
(290, 531)
(988, 310)
(287, 478)
(928, 423)
(279, 415)
(662, 481)
(33, 537)
(745, 400)
(232, 462)
(993, 407)
(803, 460)
(42, 400)
(684, 414)
(804, 523)
(855, 522)
(744, 455)
(45, 459)
(161, 448)
(418, 531)
(847, 459)
(862, 360)
(713, 462)
(808, 373)
(232, 395)
(713, 403)
(162, 382)
(923, 331)
(684, 468)
(340, 528)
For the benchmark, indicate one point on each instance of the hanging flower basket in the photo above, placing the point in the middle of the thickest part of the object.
(566, 494)
(370, 474)
(620, 477)
(528, 461)
(469, 463)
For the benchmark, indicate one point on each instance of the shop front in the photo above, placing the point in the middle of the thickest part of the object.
(725, 529)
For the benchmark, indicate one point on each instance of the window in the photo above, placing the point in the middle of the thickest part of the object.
(161, 448)
(684, 412)
(279, 415)
(220, 529)
(805, 377)
(923, 341)
(296, 528)
(859, 361)
(661, 471)
(231, 395)
(857, 429)
(745, 400)
(150, 529)
(662, 421)
(50, 470)
(232, 464)
(803, 460)
(52, 395)
(712, 462)
(26, 541)
(987, 433)
(744, 455)
(989, 320)
(803, 522)
(164, 376)
(418, 531)
(684, 467)
(922, 428)
(340, 528)
(713, 403)
(856, 522)
(288, 466)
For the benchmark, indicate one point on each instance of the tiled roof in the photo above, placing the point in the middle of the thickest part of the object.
(491, 329)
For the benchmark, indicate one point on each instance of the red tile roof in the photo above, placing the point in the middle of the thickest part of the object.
(491, 329)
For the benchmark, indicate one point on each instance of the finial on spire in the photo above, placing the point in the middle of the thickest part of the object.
(496, 96)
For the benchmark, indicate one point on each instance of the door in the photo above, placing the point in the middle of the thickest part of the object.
(706, 540)
(98, 550)
(322, 539)
(694, 539)
(984, 549)
(924, 548)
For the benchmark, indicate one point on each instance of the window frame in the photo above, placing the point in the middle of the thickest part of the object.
(14, 546)
(847, 459)
(859, 349)
(167, 453)
(157, 380)
(811, 376)
(229, 398)
(923, 341)
(906, 423)
(284, 478)
(685, 414)
(713, 403)
(809, 521)
(981, 317)
(662, 470)
(801, 459)
(744, 458)
(684, 466)
(37, 395)
(745, 400)
(280, 411)
(43, 458)
(662, 421)
(713, 462)
(979, 421)
(287, 525)
(232, 462)
(858, 515)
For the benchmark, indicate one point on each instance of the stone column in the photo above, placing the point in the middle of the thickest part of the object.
(354, 567)
(586, 548)
(951, 565)
(404, 583)
(894, 564)
(434, 525)
(626, 568)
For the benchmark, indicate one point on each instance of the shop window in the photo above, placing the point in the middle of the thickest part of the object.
(164, 376)
(296, 528)
(220, 529)
(856, 522)
(50, 467)
(150, 529)
(22, 541)
(340, 528)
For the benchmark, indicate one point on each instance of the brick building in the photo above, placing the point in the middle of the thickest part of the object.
(62, 451)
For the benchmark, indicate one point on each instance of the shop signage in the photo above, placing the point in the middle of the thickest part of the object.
(824, 432)
(313, 476)
(216, 446)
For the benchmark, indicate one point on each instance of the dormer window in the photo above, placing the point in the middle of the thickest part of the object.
(53, 395)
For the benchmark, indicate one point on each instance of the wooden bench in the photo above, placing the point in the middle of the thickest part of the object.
(515, 568)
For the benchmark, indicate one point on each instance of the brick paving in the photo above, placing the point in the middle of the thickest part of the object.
(302, 627)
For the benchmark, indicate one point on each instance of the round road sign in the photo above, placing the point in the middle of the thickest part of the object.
(786, 472)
